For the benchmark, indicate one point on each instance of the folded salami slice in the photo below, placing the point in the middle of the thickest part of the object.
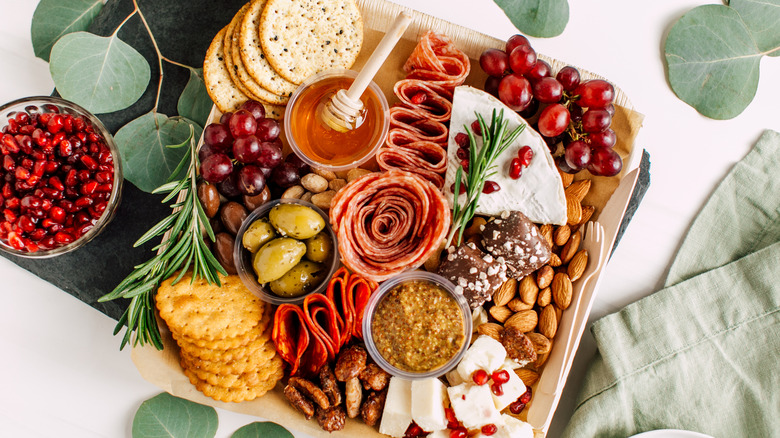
(388, 222)
(290, 335)
(338, 292)
(321, 319)
(415, 124)
(360, 289)
(423, 158)
(437, 53)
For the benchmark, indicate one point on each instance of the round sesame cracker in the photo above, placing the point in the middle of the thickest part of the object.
(227, 49)
(244, 340)
(238, 394)
(221, 89)
(249, 363)
(303, 37)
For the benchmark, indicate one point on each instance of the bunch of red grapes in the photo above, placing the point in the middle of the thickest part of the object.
(573, 112)
(243, 151)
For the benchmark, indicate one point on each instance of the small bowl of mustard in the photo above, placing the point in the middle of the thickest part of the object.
(416, 326)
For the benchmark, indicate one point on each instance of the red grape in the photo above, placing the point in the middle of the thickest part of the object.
(242, 123)
(522, 59)
(569, 77)
(251, 180)
(548, 90)
(596, 93)
(540, 70)
(256, 108)
(553, 120)
(494, 62)
(204, 152)
(270, 154)
(285, 175)
(576, 112)
(610, 109)
(515, 91)
(229, 187)
(298, 164)
(577, 155)
(603, 139)
(605, 162)
(560, 161)
(268, 129)
(246, 149)
(216, 168)
(530, 110)
(515, 41)
(491, 85)
(217, 136)
(596, 120)
(224, 119)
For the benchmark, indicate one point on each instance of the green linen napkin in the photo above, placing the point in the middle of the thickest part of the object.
(702, 354)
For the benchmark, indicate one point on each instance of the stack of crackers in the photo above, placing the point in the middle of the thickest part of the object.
(225, 337)
(271, 46)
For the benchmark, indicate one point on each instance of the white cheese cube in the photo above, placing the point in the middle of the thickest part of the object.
(513, 389)
(439, 434)
(428, 398)
(473, 405)
(454, 378)
(484, 354)
(397, 414)
(514, 428)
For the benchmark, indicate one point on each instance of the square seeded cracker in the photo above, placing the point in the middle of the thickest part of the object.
(303, 37)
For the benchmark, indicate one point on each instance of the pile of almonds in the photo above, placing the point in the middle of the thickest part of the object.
(320, 186)
(534, 304)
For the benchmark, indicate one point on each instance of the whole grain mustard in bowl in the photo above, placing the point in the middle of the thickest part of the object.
(416, 326)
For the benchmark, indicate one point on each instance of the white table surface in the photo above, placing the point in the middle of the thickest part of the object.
(63, 374)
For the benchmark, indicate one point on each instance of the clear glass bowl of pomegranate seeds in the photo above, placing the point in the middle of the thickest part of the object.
(60, 177)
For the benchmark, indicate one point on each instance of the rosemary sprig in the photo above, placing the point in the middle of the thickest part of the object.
(182, 247)
(481, 167)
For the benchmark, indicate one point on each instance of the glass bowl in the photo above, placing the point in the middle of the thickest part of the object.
(43, 204)
(322, 147)
(374, 304)
(243, 258)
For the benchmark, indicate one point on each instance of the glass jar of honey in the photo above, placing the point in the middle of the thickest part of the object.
(323, 147)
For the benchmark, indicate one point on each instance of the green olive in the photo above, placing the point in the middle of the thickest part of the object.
(276, 257)
(302, 278)
(319, 248)
(297, 221)
(257, 235)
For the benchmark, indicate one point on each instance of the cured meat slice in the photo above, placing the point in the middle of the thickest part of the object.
(388, 222)
(437, 53)
(434, 101)
(416, 125)
(360, 289)
(424, 158)
(321, 314)
(290, 335)
(338, 293)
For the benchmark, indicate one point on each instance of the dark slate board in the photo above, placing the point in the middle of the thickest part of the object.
(183, 31)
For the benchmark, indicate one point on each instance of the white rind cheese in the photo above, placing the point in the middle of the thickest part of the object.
(484, 354)
(397, 413)
(538, 193)
(428, 396)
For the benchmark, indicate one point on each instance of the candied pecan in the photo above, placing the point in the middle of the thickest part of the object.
(299, 402)
(518, 346)
(310, 390)
(354, 395)
(374, 377)
(329, 385)
(373, 406)
(350, 362)
(331, 419)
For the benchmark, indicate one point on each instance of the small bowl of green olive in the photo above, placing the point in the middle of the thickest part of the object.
(286, 250)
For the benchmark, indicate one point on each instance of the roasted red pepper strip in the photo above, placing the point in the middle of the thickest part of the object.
(290, 335)
(339, 294)
(360, 290)
(321, 314)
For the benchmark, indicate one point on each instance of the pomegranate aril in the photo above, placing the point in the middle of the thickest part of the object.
(67, 123)
(465, 165)
(476, 128)
(56, 183)
(26, 129)
(58, 137)
(65, 148)
(98, 209)
(516, 407)
(500, 377)
(44, 118)
(515, 168)
(419, 98)
(57, 214)
(22, 118)
(82, 217)
(79, 124)
(525, 154)
(22, 173)
(462, 188)
(480, 377)
(52, 193)
(104, 188)
(89, 162)
(71, 179)
(93, 137)
(83, 175)
(459, 432)
(490, 187)
(526, 397)
(83, 202)
(15, 241)
(105, 157)
(9, 144)
(10, 216)
(12, 203)
(462, 140)
(497, 389)
(54, 125)
(8, 163)
(13, 126)
(413, 431)
(37, 234)
(66, 205)
(47, 243)
(25, 143)
(104, 177)
(89, 187)
(462, 154)
(489, 429)
(25, 223)
(452, 421)
(64, 238)
(82, 229)
(38, 168)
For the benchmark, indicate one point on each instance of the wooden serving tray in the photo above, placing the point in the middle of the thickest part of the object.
(162, 367)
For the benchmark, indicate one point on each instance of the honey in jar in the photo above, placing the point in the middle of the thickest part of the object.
(325, 146)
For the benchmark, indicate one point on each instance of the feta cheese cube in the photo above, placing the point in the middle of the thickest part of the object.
(473, 405)
(514, 428)
(454, 378)
(513, 389)
(439, 434)
(428, 398)
(397, 414)
(485, 353)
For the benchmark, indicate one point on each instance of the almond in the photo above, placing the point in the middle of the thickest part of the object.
(561, 235)
(505, 293)
(294, 192)
(528, 289)
(541, 359)
(587, 212)
(558, 313)
(573, 210)
(555, 260)
(491, 329)
(546, 231)
(561, 290)
(548, 322)
(542, 345)
(327, 174)
(524, 320)
(476, 227)
(544, 276)
(566, 178)
(529, 377)
(517, 305)
(500, 313)
(571, 247)
(578, 189)
(577, 264)
(545, 297)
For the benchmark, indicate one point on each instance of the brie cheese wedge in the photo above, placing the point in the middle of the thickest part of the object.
(538, 193)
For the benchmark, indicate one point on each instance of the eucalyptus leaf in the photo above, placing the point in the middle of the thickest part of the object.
(54, 18)
(712, 61)
(167, 416)
(539, 18)
(194, 102)
(265, 429)
(102, 74)
(762, 19)
(143, 145)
